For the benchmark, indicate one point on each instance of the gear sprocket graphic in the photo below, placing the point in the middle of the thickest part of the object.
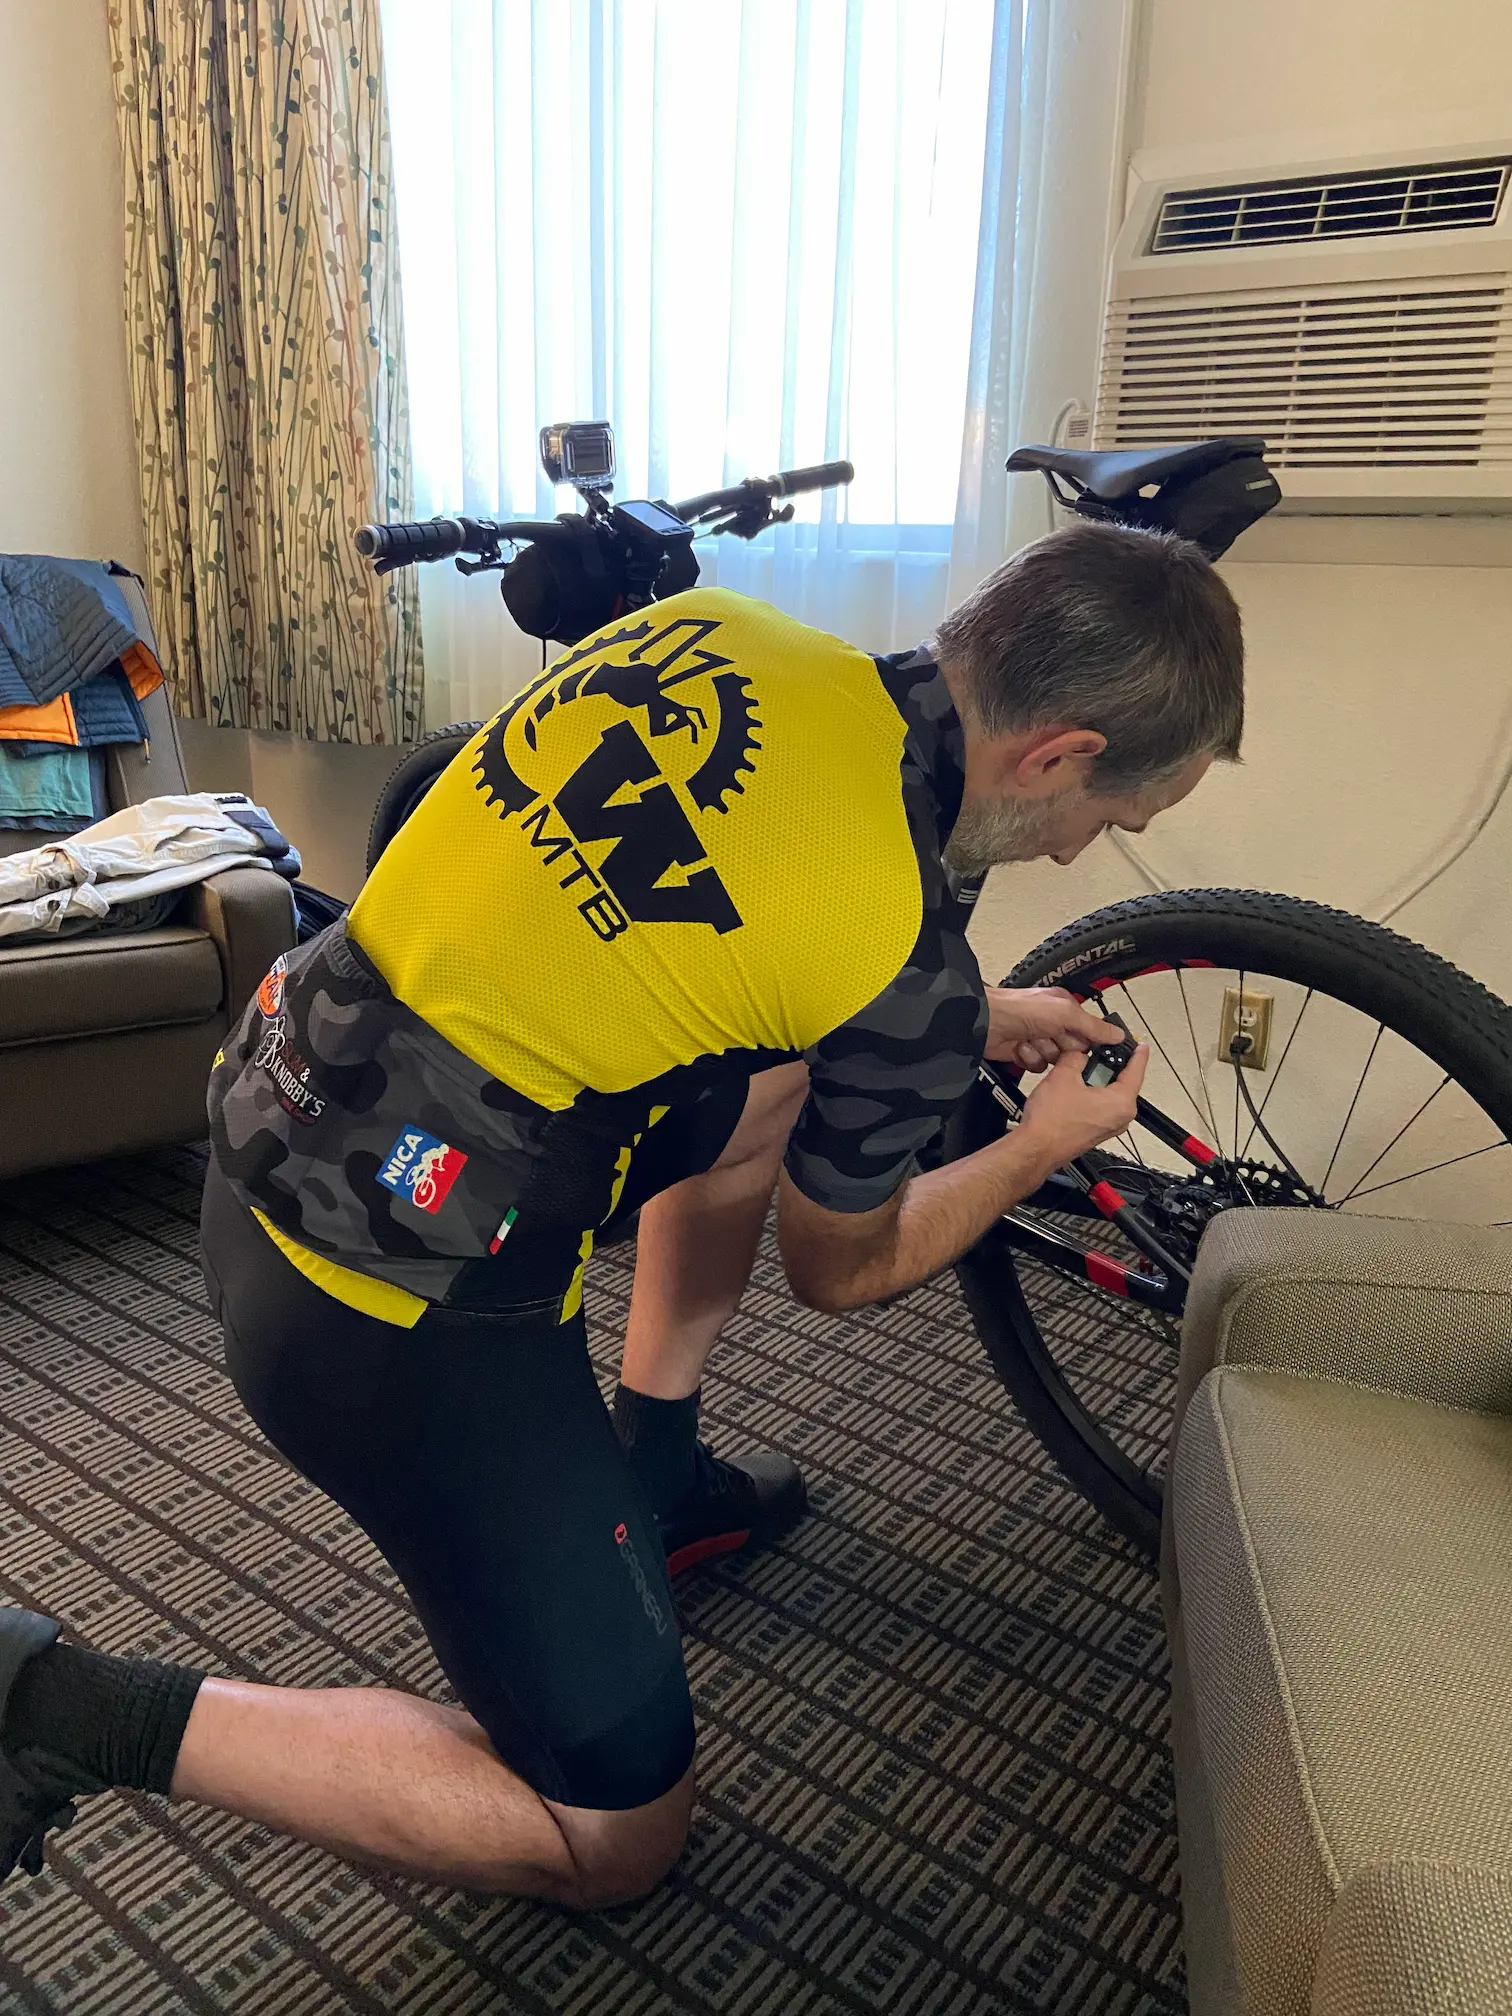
(730, 759)
(735, 744)
(498, 783)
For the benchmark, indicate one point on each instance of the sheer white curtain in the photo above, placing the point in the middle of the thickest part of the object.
(749, 233)
(1051, 199)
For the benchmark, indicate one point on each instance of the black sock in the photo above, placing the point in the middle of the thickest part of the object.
(109, 1721)
(659, 1438)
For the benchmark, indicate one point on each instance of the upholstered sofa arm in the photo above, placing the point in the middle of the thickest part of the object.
(1411, 1307)
(1411, 1936)
(249, 912)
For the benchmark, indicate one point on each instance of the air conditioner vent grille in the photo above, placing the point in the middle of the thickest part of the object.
(1345, 377)
(1445, 197)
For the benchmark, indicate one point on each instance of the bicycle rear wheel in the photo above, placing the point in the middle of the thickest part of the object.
(412, 779)
(1385, 1085)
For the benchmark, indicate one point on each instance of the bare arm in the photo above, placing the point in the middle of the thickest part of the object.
(837, 1260)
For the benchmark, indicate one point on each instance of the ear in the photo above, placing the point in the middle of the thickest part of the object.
(1056, 758)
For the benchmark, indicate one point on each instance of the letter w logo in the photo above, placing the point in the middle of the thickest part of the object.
(652, 834)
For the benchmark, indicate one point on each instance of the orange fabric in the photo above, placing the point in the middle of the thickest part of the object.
(141, 669)
(53, 721)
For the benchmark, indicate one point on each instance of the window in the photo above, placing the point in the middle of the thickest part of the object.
(744, 231)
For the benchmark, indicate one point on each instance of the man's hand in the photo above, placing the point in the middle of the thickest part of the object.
(1031, 1027)
(1064, 1116)
(839, 1260)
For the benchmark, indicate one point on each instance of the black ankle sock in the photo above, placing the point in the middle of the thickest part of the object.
(113, 1721)
(659, 1438)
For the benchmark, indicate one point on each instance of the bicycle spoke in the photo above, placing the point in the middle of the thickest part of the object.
(1468, 1156)
(1145, 1322)
(1281, 1066)
(1132, 1315)
(1127, 1138)
(1237, 1067)
(1375, 1045)
(1091, 1352)
(1197, 1055)
(1123, 989)
(1445, 1080)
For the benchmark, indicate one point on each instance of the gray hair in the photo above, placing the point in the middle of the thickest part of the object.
(1098, 626)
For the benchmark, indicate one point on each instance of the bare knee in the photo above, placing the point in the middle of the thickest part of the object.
(618, 1857)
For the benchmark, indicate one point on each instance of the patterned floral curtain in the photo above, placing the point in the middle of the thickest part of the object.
(265, 337)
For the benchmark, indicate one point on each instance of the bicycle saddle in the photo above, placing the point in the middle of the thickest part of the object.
(1120, 472)
(1205, 491)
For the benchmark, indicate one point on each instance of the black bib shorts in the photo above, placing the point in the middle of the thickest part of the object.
(477, 1454)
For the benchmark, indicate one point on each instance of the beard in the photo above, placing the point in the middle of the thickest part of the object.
(993, 830)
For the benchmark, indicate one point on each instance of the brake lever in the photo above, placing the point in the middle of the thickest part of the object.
(749, 520)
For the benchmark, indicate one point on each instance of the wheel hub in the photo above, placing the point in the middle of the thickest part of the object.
(1183, 1209)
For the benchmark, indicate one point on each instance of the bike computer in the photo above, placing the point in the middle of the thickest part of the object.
(1107, 1060)
(646, 520)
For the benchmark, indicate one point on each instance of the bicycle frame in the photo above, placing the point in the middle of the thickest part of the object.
(1083, 1189)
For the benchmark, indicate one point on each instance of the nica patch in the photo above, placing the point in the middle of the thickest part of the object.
(421, 1169)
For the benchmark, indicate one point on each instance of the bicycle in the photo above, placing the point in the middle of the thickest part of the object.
(1116, 1233)
(572, 574)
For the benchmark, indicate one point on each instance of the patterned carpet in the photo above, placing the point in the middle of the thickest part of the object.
(931, 1725)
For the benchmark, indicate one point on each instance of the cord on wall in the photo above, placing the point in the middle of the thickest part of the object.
(1452, 850)
(1136, 860)
(1067, 408)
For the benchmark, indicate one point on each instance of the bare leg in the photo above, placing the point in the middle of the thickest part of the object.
(389, 1779)
(696, 1243)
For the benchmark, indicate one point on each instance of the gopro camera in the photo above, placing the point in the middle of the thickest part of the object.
(1107, 1060)
(579, 452)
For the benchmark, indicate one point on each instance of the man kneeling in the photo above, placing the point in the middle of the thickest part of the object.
(684, 922)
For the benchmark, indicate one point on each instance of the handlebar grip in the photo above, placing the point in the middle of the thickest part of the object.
(402, 545)
(823, 476)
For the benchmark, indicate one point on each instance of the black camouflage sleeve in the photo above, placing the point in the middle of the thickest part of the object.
(884, 1083)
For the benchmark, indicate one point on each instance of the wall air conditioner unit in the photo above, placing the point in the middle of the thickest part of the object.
(1357, 314)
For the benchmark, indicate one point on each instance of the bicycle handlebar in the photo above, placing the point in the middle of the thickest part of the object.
(405, 544)
(788, 483)
(409, 543)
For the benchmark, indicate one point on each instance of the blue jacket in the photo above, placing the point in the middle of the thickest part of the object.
(61, 622)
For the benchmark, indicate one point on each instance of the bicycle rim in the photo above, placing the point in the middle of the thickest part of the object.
(1386, 1087)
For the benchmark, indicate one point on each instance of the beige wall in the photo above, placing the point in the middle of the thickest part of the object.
(66, 445)
(1223, 70)
(1379, 694)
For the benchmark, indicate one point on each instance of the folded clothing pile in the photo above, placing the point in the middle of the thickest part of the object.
(74, 670)
(130, 871)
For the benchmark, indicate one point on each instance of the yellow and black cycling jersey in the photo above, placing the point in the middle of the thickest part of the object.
(705, 840)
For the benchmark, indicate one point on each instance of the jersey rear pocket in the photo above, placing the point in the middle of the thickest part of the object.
(361, 1131)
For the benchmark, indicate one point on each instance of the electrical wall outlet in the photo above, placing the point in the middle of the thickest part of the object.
(1244, 1027)
(1075, 429)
